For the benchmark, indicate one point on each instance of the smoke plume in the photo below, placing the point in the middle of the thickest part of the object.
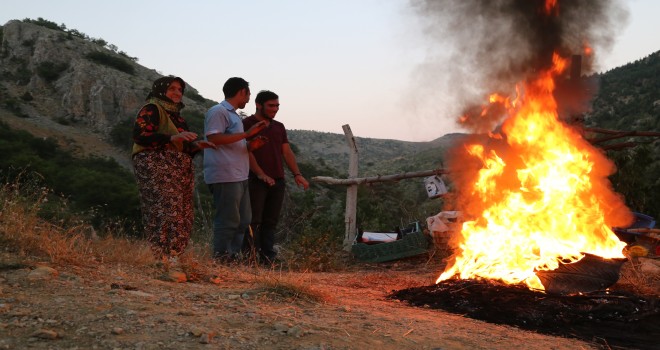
(485, 46)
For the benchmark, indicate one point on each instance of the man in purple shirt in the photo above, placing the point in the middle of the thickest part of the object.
(266, 180)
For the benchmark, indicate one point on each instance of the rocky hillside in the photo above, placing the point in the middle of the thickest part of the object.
(63, 81)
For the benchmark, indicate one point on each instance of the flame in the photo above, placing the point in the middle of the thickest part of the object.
(587, 50)
(540, 196)
(551, 7)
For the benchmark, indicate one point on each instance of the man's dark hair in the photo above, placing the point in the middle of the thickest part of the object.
(265, 95)
(233, 86)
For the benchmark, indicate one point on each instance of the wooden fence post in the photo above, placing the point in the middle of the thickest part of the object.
(351, 191)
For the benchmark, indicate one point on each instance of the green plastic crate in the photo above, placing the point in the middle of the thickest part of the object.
(412, 244)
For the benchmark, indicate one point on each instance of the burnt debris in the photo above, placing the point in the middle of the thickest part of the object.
(611, 319)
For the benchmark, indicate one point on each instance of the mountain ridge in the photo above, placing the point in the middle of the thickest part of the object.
(51, 86)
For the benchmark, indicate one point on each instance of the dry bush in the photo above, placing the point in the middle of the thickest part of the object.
(637, 276)
(314, 251)
(23, 230)
(287, 286)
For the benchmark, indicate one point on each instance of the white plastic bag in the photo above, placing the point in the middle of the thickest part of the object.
(440, 222)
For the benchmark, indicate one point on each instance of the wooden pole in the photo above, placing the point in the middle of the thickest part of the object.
(351, 191)
(379, 178)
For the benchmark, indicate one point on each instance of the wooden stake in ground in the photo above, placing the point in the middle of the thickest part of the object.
(350, 215)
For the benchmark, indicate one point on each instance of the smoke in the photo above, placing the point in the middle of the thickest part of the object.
(484, 46)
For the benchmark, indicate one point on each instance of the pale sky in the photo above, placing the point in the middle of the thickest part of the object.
(333, 62)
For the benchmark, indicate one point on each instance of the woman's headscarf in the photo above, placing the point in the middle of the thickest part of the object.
(159, 88)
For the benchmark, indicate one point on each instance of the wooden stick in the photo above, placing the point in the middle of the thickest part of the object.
(616, 132)
(379, 178)
(618, 146)
(643, 230)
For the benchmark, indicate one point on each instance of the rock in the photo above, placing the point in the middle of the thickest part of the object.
(117, 331)
(197, 332)
(45, 334)
(174, 276)
(140, 294)
(295, 331)
(42, 273)
(206, 338)
(281, 328)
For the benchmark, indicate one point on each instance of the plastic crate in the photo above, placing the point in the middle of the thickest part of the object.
(641, 221)
(410, 245)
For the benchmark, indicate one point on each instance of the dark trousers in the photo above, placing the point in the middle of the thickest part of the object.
(266, 204)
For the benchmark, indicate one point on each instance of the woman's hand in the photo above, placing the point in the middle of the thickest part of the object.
(204, 144)
(184, 136)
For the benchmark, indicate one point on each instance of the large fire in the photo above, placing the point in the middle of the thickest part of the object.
(540, 196)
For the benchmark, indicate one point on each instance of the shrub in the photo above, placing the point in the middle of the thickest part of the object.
(23, 75)
(78, 34)
(195, 120)
(27, 97)
(51, 71)
(45, 23)
(100, 42)
(63, 120)
(111, 61)
(193, 95)
(121, 134)
(96, 188)
(28, 43)
(13, 105)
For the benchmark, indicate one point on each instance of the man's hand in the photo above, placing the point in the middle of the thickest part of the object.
(301, 181)
(267, 179)
(257, 142)
(256, 128)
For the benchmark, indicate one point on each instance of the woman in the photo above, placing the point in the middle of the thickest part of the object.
(162, 159)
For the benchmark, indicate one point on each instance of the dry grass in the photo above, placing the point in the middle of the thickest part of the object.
(25, 233)
(286, 286)
(637, 277)
(23, 230)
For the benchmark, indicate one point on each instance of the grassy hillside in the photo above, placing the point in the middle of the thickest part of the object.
(629, 99)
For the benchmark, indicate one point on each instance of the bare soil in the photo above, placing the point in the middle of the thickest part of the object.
(114, 306)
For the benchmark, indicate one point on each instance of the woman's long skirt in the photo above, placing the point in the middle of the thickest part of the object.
(165, 179)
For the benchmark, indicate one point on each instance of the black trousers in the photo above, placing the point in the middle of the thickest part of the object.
(266, 204)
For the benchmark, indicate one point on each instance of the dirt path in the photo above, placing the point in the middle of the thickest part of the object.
(110, 306)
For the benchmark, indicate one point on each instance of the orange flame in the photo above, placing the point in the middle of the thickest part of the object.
(551, 7)
(588, 51)
(541, 195)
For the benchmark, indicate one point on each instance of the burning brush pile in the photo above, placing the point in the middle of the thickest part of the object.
(536, 249)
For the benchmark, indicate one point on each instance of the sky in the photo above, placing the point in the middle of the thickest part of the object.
(359, 62)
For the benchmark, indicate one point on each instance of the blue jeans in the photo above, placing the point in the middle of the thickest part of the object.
(232, 217)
